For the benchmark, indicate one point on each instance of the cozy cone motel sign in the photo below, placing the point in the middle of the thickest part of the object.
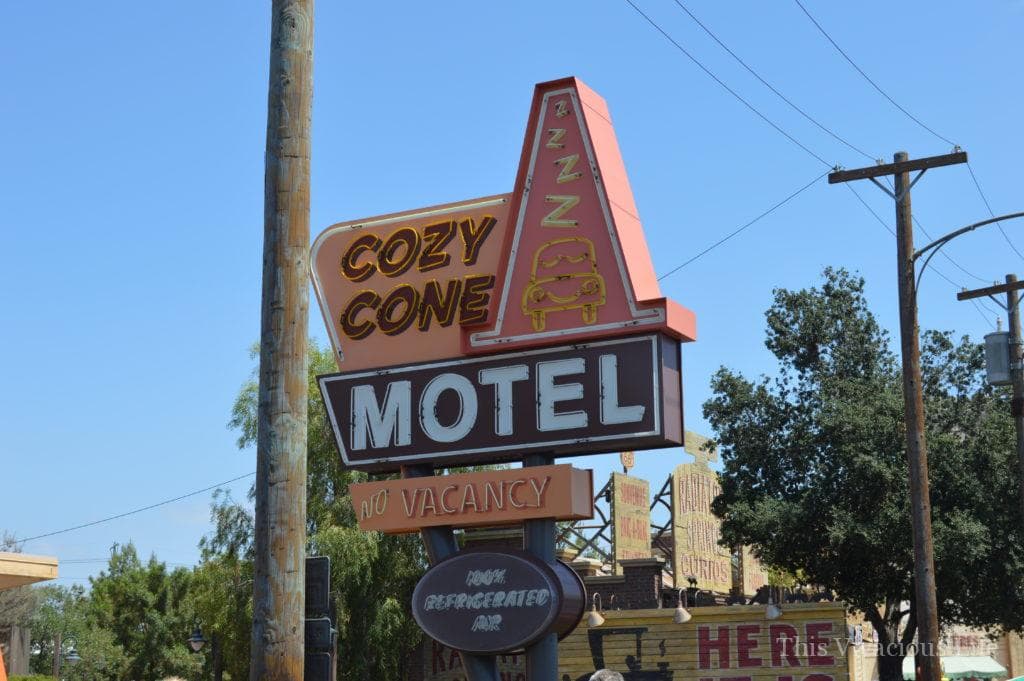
(531, 321)
(484, 330)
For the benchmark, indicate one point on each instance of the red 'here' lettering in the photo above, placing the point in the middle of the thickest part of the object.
(706, 644)
(783, 638)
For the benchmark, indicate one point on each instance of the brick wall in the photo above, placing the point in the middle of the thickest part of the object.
(638, 587)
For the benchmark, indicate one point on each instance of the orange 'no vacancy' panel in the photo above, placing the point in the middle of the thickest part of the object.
(472, 499)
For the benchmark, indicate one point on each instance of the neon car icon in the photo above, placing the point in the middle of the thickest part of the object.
(564, 277)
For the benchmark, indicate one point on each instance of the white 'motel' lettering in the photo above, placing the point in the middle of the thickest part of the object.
(502, 379)
(380, 426)
(549, 394)
(611, 412)
(461, 386)
(384, 426)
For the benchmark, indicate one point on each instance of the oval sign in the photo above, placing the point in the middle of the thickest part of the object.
(488, 602)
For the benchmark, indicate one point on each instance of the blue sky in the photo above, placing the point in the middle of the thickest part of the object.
(132, 198)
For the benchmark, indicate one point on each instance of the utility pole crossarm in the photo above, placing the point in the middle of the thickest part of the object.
(897, 167)
(990, 291)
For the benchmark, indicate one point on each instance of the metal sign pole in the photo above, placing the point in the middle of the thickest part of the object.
(440, 543)
(539, 540)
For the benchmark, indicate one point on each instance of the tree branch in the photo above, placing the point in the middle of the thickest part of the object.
(878, 623)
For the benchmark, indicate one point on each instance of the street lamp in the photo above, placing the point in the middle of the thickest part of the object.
(72, 657)
(937, 245)
(773, 611)
(681, 615)
(196, 641)
(926, 606)
(1011, 347)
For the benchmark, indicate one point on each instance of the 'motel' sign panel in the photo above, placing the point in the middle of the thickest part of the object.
(587, 398)
(552, 268)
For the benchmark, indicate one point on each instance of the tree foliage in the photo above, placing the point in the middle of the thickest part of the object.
(65, 614)
(815, 476)
(146, 609)
(372, 574)
(222, 588)
(131, 624)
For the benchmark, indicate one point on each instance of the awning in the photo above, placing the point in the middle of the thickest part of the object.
(18, 569)
(961, 667)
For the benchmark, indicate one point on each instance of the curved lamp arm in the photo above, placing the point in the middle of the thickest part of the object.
(937, 245)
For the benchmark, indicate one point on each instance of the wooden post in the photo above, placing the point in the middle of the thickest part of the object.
(913, 399)
(57, 652)
(917, 450)
(1017, 375)
(278, 603)
(218, 657)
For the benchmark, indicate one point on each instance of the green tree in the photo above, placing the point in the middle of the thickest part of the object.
(145, 608)
(222, 588)
(815, 477)
(372, 574)
(63, 613)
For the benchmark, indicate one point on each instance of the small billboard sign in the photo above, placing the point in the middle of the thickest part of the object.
(631, 519)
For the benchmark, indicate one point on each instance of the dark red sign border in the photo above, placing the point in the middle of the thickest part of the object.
(665, 400)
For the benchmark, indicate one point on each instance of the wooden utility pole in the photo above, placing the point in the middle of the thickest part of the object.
(278, 602)
(917, 451)
(1017, 376)
(1010, 288)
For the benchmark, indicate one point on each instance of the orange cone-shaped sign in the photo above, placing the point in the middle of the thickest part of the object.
(575, 262)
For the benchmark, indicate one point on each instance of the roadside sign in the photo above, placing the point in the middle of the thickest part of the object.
(631, 519)
(587, 398)
(487, 602)
(481, 498)
(489, 330)
(560, 258)
(696, 529)
(400, 288)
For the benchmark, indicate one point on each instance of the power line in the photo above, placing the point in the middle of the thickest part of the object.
(986, 306)
(137, 510)
(820, 126)
(802, 146)
(918, 121)
(86, 561)
(989, 207)
(768, 85)
(740, 229)
(726, 87)
(868, 78)
(891, 231)
(763, 117)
